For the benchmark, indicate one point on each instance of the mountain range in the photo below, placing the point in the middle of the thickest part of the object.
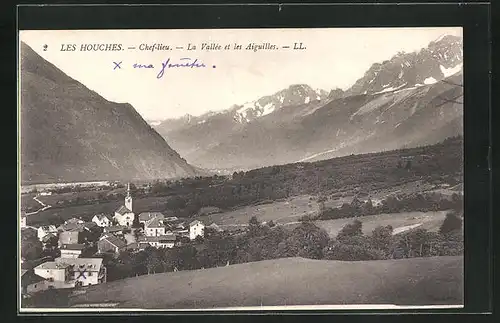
(70, 133)
(409, 100)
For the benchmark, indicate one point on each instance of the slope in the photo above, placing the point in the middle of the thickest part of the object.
(70, 133)
(291, 281)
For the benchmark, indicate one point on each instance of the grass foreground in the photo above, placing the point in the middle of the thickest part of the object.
(289, 281)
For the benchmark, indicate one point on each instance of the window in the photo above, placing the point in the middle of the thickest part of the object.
(90, 273)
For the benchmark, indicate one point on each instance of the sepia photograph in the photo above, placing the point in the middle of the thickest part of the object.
(240, 169)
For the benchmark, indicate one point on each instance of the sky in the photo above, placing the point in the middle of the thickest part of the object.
(333, 57)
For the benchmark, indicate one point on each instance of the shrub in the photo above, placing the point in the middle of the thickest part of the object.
(451, 223)
(351, 230)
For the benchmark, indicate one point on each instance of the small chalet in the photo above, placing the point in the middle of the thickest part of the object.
(44, 230)
(124, 215)
(48, 238)
(102, 220)
(71, 250)
(110, 243)
(165, 241)
(196, 229)
(32, 283)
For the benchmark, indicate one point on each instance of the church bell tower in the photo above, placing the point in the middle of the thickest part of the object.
(128, 199)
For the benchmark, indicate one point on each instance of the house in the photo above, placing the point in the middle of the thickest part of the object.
(69, 237)
(154, 228)
(71, 250)
(32, 283)
(196, 229)
(124, 215)
(44, 230)
(23, 220)
(110, 243)
(71, 272)
(115, 229)
(102, 220)
(165, 241)
(47, 239)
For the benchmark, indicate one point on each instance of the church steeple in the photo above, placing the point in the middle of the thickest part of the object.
(128, 199)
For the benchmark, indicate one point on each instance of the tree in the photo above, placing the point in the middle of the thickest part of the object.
(351, 230)
(254, 227)
(353, 248)
(307, 240)
(31, 247)
(451, 223)
(381, 239)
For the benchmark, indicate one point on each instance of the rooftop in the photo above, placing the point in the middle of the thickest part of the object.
(73, 246)
(47, 237)
(114, 228)
(102, 216)
(195, 222)
(148, 216)
(88, 263)
(30, 277)
(117, 242)
(164, 238)
(123, 209)
(52, 265)
(154, 223)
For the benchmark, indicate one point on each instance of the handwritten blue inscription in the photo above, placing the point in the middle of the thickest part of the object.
(143, 66)
(186, 62)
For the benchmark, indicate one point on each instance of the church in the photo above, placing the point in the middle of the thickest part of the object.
(124, 215)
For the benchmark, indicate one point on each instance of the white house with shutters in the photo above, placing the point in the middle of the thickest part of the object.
(196, 228)
(102, 220)
(71, 272)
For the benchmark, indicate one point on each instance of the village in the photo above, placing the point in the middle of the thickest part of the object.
(81, 243)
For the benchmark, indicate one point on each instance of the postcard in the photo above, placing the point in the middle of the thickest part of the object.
(240, 169)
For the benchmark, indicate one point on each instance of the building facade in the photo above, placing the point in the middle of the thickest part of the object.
(44, 230)
(72, 250)
(196, 229)
(71, 272)
(102, 220)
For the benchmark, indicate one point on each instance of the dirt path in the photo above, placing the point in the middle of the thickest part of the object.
(43, 208)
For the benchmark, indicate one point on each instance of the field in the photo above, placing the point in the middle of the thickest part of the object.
(399, 222)
(290, 281)
(279, 211)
